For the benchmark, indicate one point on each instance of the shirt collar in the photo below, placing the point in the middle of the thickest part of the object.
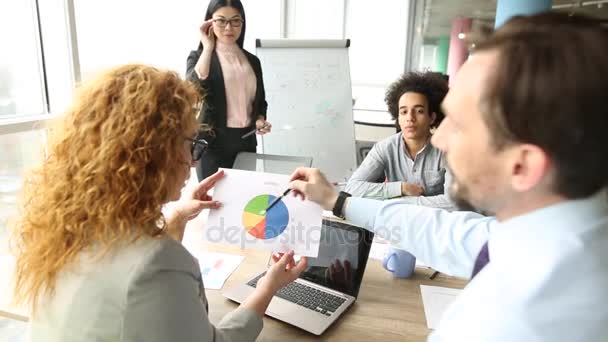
(528, 234)
(422, 150)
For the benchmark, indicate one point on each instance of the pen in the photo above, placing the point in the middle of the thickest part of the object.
(249, 133)
(276, 200)
(252, 132)
(339, 183)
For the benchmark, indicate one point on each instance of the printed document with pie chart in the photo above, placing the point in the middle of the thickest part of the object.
(242, 220)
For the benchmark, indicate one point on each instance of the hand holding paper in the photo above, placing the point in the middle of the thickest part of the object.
(311, 184)
(244, 218)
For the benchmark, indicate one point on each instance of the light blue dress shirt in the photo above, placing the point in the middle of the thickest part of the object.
(547, 279)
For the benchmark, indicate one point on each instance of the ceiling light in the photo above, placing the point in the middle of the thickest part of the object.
(461, 35)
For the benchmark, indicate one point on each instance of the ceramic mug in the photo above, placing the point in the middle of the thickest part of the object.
(399, 262)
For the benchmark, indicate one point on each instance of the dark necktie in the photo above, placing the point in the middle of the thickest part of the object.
(483, 258)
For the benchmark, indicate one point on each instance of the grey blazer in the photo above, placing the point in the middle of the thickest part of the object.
(150, 290)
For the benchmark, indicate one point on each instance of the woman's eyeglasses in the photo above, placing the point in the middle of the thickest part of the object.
(199, 146)
(235, 22)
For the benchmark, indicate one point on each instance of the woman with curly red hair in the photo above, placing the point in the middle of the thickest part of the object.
(96, 257)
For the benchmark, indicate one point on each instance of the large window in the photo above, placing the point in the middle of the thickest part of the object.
(20, 151)
(377, 54)
(114, 32)
(263, 21)
(315, 19)
(21, 80)
(24, 100)
(378, 33)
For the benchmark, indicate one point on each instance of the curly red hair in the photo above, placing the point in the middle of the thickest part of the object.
(108, 172)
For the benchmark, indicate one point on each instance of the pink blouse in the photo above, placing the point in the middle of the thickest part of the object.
(239, 82)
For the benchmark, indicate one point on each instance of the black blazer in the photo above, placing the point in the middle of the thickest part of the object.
(213, 112)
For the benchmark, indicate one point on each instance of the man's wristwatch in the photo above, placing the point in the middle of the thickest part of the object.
(339, 206)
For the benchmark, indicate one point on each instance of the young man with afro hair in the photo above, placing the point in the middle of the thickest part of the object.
(413, 168)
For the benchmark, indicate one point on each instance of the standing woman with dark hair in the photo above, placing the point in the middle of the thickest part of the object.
(235, 101)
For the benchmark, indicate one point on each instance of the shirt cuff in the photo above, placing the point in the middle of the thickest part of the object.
(362, 212)
(393, 189)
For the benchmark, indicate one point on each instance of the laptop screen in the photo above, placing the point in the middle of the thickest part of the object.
(343, 253)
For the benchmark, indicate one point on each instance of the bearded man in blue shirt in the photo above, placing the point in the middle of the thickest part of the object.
(525, 136)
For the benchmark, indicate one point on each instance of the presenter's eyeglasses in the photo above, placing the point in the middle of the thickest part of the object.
(199, 146)
(234, 22)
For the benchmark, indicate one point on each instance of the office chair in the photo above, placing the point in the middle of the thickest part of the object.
(271, 163)
(363, 148)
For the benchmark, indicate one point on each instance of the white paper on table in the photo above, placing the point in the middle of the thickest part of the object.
(290, 224)
(436, 300)
(216, 267)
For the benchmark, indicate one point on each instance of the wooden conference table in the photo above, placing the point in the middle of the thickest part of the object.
(387, 309)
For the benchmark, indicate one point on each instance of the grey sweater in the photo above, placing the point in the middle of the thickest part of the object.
(389, 159)
(150, 290)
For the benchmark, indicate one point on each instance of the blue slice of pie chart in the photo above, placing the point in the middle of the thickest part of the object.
(277, 218)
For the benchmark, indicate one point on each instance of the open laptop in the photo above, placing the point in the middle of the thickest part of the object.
(327, 287)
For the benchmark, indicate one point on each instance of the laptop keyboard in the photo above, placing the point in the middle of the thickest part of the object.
(306, 296)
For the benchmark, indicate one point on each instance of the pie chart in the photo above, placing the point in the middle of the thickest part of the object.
(265, 225)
